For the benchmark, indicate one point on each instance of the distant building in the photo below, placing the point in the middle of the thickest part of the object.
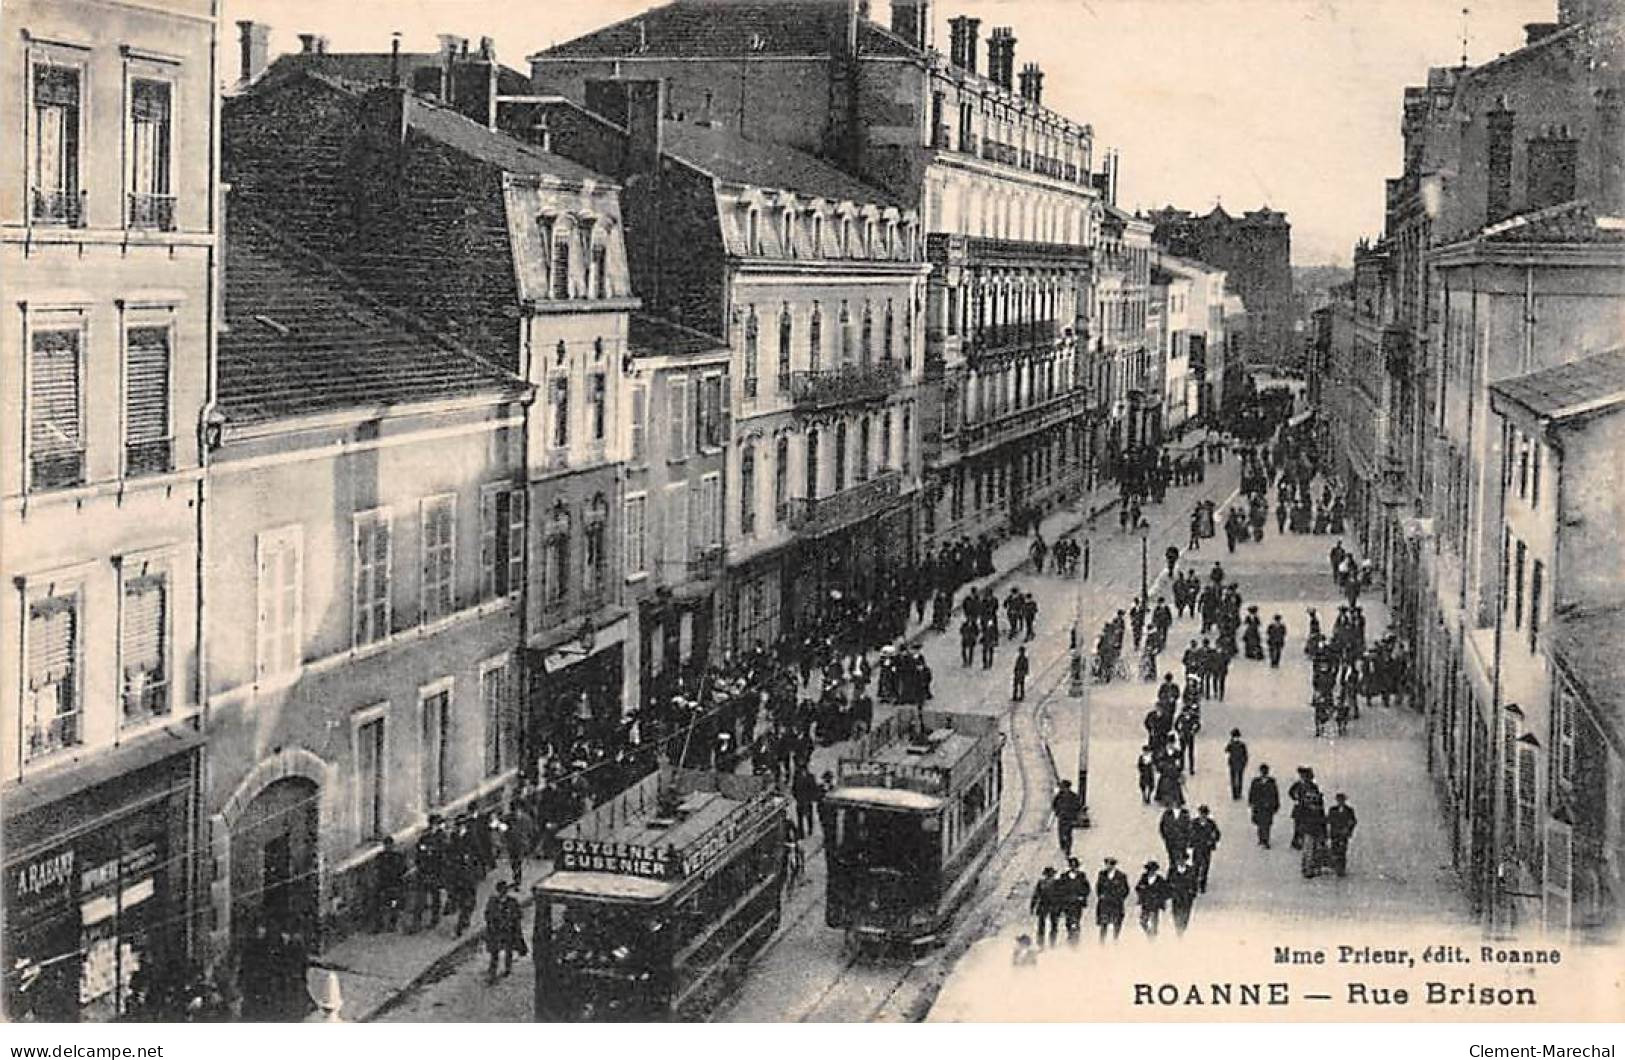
(1122, 356)
(109, 225)
(1255, 251)
(1197, 339)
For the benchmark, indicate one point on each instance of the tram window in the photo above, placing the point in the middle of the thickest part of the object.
(973, 802)
(887, 839)
(599, 936)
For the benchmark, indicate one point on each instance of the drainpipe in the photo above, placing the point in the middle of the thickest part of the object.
(1499, 814)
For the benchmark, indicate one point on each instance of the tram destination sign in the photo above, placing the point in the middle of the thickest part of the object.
(929, 780)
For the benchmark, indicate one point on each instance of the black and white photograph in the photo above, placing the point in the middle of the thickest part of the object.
(812, 511)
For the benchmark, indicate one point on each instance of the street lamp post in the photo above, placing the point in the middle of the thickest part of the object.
(1078, 689)
(1145, 542)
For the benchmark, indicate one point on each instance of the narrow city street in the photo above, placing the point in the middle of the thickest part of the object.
(804, 974)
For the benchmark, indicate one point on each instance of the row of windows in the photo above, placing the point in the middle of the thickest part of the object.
(280, 573)
(56, 408)
(559, 390)
(993, 392)
(1523, 575)
(440, 726)
(57, 132)
(692, 525)
(803, 234)
(855, 344)
(695, 416)
(54, 658)
(566, 242)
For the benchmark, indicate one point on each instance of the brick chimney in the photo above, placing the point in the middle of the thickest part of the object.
(1001, 57)
(964, 43)
(474, 85)
(911, 20)
(645, 125)
(307, 43)
(1032, 84)
(254, 39)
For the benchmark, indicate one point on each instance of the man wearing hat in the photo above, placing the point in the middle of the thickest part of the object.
(1264, 799)
(1073, 885)
(1340, 822)
(1152, 893)
(1046, 906)
(1204, 840)
(1235, 753)
(1111, 892)
(503, 934)
(1182, 887)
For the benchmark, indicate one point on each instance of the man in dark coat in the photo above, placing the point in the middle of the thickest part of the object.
(826, 811)
(967, 641)
(1067, 807)
(1152, 893)
(1111, 894)
(1204, 840)
(1187, 725)
(391, 885)
(1340, 822)
(504, 935)
(1182, 887)
(1175, 829)
(1264, 801)
(806, 793)
(1018, 674)
(1146, 766)
(1074, 893)
(431, 866)
(1275, 640)
(1045, 905)
(1235, 753)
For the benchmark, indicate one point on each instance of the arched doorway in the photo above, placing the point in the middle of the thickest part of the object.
(275, 878)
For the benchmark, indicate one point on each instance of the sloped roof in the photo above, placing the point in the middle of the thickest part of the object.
(302, 339)
(1586, 645)
(689, 29)
(1568, 222)
(656, 336)
(728, 156)
(490, 146)
(378, 68)
(1590, 384)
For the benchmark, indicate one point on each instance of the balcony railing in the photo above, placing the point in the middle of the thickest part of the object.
(705, 562)
(56, 469)
(149, 458)
(1010, 338)
(985, 434)
(56, 729)
(981, 249)
(148, 210)
(847, 384)
(146, 695)
(939, 136)
(58, 207)
(818, 516)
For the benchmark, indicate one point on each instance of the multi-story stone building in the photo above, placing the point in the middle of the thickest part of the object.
(1559, 616)
(1255, 250)
(1004, 181)
(1196, 338)
(366, 545)
(1122, 357)
(1357, 401)
(518, 255)
(1505, 262)
(108, 224)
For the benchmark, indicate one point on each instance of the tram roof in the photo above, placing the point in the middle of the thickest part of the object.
(890, 798)
(609, 885)
(944, 751)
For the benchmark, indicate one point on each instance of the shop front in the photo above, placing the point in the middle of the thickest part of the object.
(98, 884)
(575, 688)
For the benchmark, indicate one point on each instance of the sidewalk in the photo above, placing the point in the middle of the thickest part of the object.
(376, 971)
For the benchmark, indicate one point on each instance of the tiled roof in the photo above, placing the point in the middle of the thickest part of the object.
(303, 340)
(1587, 385)
(1568, 222)
(731, 28)
(487, 145)
(378, 68)
(655, 336)
(728, 156)
(1586, 645)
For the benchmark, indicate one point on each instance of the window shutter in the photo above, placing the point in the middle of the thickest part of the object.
(678, 399)
(147, 417)
(561, 268)
(53, 626)
(488, 543)
(516, 539)
(144, 605)
(1556, 883)
(638, 397)
(54, 396)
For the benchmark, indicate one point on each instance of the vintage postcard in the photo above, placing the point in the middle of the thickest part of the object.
(812, 511)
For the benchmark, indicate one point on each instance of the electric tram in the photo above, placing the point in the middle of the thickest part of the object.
(659, 899)
(916, 808)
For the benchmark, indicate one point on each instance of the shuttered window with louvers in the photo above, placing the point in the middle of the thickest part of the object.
(55, 435)
(147, 447)
(53, 675)
(146, 669)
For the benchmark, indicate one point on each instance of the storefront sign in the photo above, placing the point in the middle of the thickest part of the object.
(623, 859)
(42, 879)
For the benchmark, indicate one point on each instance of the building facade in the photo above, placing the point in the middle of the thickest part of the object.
(977, 156)
(1196, 337)
(108, 243)
(368, 485)
(1122, 361)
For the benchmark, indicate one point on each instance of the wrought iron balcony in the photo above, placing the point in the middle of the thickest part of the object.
(848, 384)
(146, 695)
(705, 562)
(152, 211)
(818, 516)
(58, 206)
(1011, 338)
(56, 469)
(986, 434)
(981, 249)
(939, 136)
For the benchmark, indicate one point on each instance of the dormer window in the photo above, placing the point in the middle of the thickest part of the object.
(844, 247)
(753, 232)
(790, 234)
(818, 235)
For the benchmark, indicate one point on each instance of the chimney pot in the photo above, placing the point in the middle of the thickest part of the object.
(307, 43)
(488, 49)
(254, 39)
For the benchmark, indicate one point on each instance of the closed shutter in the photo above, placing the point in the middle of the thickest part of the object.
(147, 415)
(54, 392)
(638, 396)
(678, 405)
(561, 269)
(1557, 886)
(52, 629)
(516, 540)
(145, 672)
(488, 542)
(696, 519)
